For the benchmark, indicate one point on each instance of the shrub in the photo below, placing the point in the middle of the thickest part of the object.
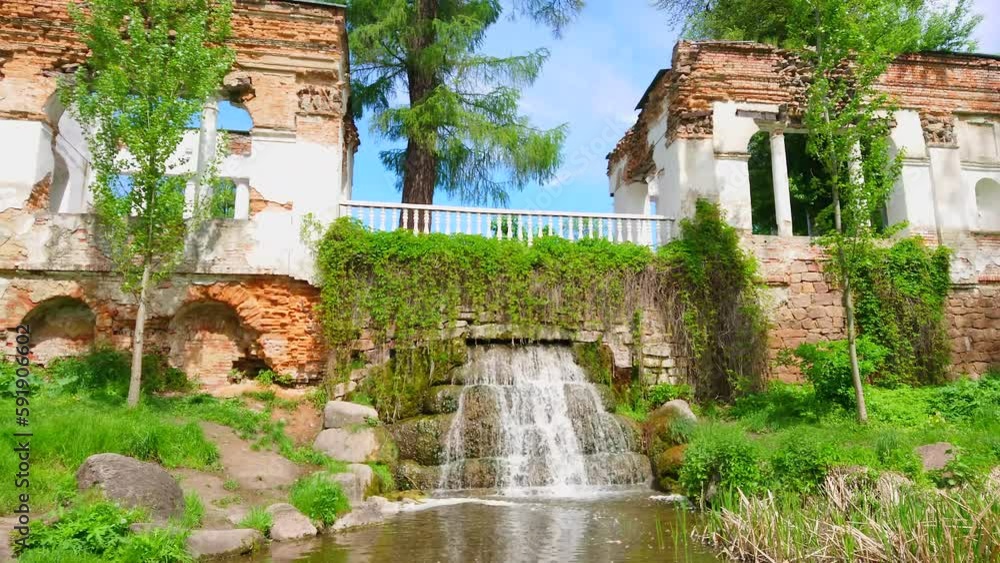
(903, 405)
(967, 400)
(319, 498)
(258, 519)
(96, 528)
(801, 463)
(722, 455)
(156, 546)
(827, 365)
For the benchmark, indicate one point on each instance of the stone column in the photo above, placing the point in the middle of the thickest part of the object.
(208, 140)
(779, 175)
(242, 208)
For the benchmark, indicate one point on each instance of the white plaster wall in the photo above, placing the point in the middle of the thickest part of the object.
(632, 198)
(978, 139)
(731, 133)
(25, 159)
(955, 202)
(732, 176)
(984, 185)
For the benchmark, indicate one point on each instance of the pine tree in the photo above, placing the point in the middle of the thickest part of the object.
(417, 66)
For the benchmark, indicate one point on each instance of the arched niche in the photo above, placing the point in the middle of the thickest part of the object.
(207, 341)
(60, 326)
(988, 204)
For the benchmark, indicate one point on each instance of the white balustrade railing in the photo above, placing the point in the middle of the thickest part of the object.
(649, 230)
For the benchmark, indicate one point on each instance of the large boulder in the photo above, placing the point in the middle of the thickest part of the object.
(372, 511)
(667, 467)
(342, 414)
(355, 481)
(206, 544)
(422, 438)
(936, 456)
(411, 475)
(357, 445)
(133, 483)
(289, 524)
(665, 424)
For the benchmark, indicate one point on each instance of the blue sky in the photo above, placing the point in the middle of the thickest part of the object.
(593, 79)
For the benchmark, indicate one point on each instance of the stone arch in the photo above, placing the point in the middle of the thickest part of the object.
(60, 326)
(207, 340)
(988, 204)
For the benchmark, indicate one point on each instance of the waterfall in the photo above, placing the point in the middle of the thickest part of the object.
(529, 418)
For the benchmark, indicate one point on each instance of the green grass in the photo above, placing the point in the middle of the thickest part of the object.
(194, 510)
(70, 429)
(258, 519)
(319, 498)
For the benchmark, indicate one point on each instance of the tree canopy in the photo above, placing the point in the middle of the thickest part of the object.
(927, 25)
(417, 66)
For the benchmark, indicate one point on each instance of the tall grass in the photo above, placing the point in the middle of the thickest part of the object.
(918, 526)
(319, 498)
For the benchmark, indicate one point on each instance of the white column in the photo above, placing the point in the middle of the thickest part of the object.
(242, 208)
(208, 140)
(779, 176)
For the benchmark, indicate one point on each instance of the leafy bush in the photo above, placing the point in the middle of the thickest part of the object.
(666, 392)
(722, 455)
(800, 463)
(969, 400)
(155, 546)
(104, 373)
(903, 405)
(96, 528)
(827, 365)
(258, 519)
(319, 498)
(781, 404)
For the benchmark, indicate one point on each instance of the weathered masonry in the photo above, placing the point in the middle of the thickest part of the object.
(691, 141)
(243, 297)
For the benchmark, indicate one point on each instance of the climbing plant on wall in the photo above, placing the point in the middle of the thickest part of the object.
(715, 285)
(900, 297)
(415, 289)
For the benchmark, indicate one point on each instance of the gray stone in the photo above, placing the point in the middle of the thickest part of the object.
(367, 513)
(342, 414)
(355, 481)
(289, 524)
(678, 408)
(133, 483)
(442, 399)
(223, 543)
(356, 445)
(936, 456)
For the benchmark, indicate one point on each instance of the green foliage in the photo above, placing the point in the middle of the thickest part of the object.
(461, 120)
(99, 528)
(724, 457)
(194, 510)
(827, 366)
(969, 400)
(900, 294)
(928, 25)
(801, 463)
(258, 519)
(155, 546)
(722, 323)
(150, 68)
(104, 373)
(268, 377)
(384, 482)
(231, 485)
(319, 498)
(99, 531)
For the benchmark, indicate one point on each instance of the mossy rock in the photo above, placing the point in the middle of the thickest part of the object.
(422, 438)
(668, 426)
(608, 399)
(410, 475)
(442, 399)
(667, 467)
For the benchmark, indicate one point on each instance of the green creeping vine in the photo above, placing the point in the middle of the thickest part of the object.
(900, 297)
(414, 289)
(717, 294)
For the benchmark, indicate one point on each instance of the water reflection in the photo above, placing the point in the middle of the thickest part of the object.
(623, 527)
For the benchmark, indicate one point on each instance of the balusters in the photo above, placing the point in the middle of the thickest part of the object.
(468, 223)
(531, 229)
(479, 224)
(382, 220)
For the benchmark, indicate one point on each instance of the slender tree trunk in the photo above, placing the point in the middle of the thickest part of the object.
(138, 336)
(848, 300)
(420, 164)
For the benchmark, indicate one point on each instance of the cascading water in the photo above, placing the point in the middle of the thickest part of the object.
(528, 418)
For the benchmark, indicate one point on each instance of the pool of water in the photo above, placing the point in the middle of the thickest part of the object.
(610, 526)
